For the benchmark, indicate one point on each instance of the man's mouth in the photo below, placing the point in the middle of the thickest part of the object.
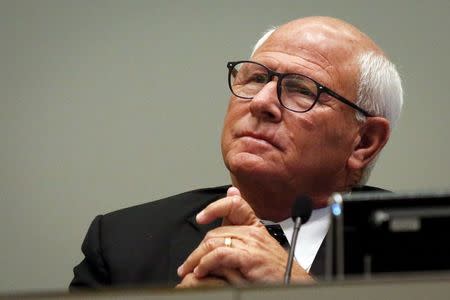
(260, 138)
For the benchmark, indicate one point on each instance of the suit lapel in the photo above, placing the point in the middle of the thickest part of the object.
(318, 265)
(184, 241)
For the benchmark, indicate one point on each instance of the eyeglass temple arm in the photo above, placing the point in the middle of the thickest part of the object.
(351, 104)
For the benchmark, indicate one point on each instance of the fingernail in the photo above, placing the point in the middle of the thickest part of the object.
(180, 270)
(233, 191)
(200, 216)
(196, 271)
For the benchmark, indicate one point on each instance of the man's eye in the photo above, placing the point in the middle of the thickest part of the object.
(300, 90)
(258, 78)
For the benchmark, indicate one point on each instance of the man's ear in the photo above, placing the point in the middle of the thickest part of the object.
(373, 135)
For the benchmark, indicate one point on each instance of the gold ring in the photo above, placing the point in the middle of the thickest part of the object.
(227, 242)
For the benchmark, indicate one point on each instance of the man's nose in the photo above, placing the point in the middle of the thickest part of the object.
(265, 104)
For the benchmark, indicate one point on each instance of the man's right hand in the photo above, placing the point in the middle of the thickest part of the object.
(191, 281)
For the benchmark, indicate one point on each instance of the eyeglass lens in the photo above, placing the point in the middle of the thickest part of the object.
(298, 93)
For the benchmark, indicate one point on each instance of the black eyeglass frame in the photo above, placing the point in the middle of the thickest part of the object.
(320, 88)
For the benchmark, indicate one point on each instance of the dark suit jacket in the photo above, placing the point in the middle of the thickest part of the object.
(145, 244)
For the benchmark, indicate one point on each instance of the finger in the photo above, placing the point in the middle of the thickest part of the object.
(188, 281)
(233, 191)
(234, 209)
(221, 258)
(212, 241)
(240, 237)
(232, 276)
(191, 281)
(253, 266)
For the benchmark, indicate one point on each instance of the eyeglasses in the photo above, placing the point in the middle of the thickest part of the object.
(296, 92)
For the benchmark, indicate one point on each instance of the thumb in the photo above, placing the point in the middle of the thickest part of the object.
(233, 191)
(233, 209)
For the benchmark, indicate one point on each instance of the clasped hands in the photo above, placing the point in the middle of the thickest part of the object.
(239, 252)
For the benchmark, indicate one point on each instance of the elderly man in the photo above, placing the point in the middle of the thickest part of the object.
(309, 114)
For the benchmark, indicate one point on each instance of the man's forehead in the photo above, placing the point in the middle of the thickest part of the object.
(330, 41)
(325, 35)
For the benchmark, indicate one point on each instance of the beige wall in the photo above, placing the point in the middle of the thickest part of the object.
(106, 104)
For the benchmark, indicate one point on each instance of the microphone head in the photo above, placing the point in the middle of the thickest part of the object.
(302, 208)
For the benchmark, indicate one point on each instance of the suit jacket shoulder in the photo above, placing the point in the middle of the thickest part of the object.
(165, 210)
(145, 243)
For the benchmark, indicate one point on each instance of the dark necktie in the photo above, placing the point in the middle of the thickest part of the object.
(277, 233)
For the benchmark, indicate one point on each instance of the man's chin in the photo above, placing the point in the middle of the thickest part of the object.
(246, 163)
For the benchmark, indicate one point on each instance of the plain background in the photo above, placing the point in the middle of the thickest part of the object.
(108, 104)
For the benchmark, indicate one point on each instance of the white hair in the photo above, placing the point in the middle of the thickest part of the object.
(379, 90)
(263, 38)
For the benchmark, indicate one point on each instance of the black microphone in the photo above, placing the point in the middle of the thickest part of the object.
(301, 212)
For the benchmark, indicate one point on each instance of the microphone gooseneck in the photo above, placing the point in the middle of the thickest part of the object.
(301, 212)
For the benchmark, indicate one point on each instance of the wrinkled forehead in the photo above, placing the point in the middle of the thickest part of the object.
(327, 42)
(334, 44)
